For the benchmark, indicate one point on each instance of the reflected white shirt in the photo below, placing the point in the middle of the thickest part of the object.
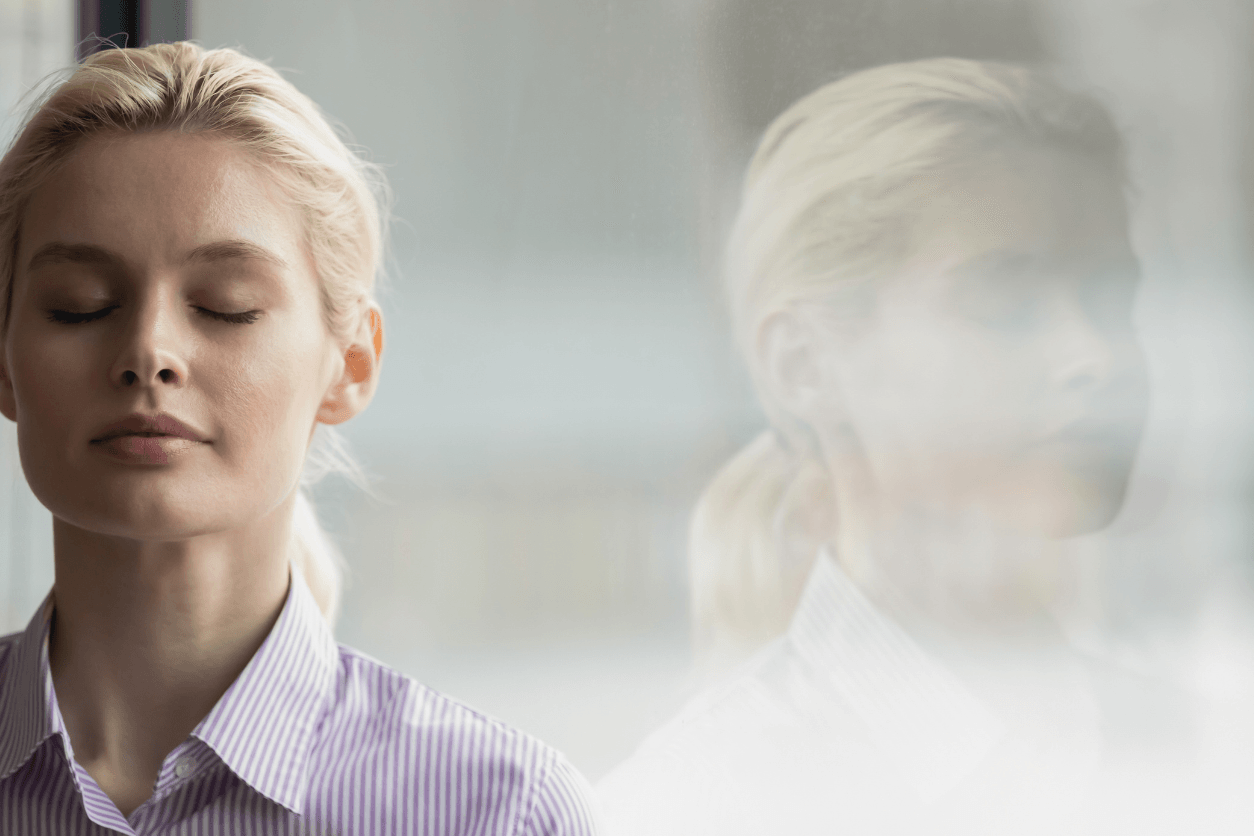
(848, 725)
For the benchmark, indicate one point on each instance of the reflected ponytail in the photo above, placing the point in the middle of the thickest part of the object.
(751, 543)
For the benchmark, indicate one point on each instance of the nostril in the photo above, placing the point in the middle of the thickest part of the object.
(130, 378)
(1084, 378)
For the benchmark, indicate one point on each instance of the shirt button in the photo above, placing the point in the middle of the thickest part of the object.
(183, 766)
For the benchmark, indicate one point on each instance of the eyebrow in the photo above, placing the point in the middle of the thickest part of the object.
(1016, 264)
(998, 262)
(235, 249)
(62, 253)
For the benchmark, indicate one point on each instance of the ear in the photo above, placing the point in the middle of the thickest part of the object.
(8, 401)
(355, 387)
(791, 362)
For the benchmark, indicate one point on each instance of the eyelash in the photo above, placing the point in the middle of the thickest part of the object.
(242, 318)
(71, 318)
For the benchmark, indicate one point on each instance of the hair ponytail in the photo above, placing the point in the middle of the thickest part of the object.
(315, 556)
(751, 543)
(314, 553)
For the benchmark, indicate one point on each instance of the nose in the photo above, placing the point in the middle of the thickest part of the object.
(1085, 356)
(148, 355)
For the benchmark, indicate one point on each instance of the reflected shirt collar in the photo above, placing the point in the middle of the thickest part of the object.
(914, 709)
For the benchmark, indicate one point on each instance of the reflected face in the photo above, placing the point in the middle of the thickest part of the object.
(1001, 373)
(166, 352)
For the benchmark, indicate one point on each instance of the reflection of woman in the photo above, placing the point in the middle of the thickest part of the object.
(931, 280)
(932, 283)
(187, 279)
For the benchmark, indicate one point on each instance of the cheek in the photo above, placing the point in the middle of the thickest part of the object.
(940, 410)
(53, 375)
(257, 406)
(997, 389)
(937, 389)
(266, 402)
(50, 378)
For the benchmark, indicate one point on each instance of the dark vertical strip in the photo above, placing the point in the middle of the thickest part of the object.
(119, 22)
(109, 23)
(165, 20)
(88, 26)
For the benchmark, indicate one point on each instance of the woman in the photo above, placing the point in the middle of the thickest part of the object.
(931, 281)
(187, 272)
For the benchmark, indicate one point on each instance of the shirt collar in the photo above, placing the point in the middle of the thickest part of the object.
(29, 716)
(914, 709)
(263, 726)
(25, 698)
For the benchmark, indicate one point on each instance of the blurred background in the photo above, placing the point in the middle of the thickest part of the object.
(559, 383)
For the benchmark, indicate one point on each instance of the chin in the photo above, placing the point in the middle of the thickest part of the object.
(149, 522)
(1089, 518)
(141, 509)
(1063, 502)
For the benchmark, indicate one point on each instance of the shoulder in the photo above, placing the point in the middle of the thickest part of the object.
(754, 700)
(384, 704)
(683, 778)
(492, 777)
(8, 645)
(733, 759)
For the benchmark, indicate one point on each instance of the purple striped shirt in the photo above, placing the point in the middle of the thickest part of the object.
(312, 738)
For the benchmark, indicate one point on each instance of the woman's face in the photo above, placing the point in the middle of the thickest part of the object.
(1000, 373)
(164, 274)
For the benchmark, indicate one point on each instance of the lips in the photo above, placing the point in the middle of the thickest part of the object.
(148, 426)
(147, 440)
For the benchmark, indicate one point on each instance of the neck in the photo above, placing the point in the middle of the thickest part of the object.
(148, 635)
(950, 571)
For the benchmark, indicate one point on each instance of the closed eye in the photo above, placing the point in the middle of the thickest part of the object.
(76, 317)
(241, 318)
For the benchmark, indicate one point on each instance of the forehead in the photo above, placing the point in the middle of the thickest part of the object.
(154, 196)
(1041, 202)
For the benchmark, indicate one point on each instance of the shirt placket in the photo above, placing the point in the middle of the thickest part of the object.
(182, 767)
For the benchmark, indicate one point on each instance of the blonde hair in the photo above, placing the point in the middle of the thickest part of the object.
(826, 209)
(185, 88)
